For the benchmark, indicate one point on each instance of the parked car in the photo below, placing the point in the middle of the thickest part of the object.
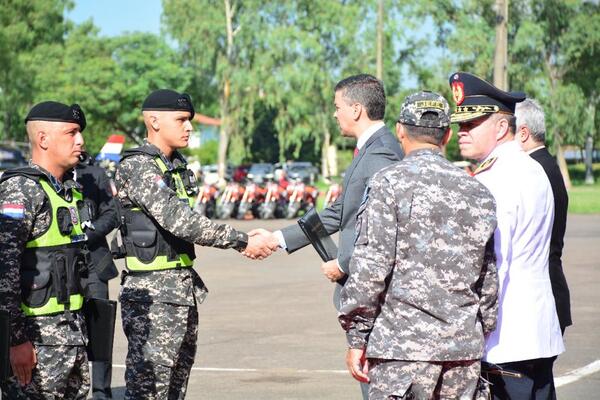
(210, 173)
(11, 158)
(260, 172)
(303, 171)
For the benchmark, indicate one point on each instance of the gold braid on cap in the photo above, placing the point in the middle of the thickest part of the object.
(477, 109)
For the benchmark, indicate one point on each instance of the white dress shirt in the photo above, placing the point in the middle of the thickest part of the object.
(527, 326)
(366, 135)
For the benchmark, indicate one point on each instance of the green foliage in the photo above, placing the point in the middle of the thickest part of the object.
(272, 80)
(206, 154)
(345, 158)
(108, 77)
(553, 56)
(25, 27)
(577, 173)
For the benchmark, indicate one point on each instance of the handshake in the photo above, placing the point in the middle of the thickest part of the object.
(261, 244)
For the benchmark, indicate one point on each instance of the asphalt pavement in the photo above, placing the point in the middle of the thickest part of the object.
(268, 329)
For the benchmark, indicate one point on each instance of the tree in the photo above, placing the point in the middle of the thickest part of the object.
(546, 46)
(108, 77)
(281, 59)
(550, 47)
(220, 48)
(582, 46)
(25, 26)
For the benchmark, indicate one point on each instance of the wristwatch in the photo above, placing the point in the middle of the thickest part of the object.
(241, 241)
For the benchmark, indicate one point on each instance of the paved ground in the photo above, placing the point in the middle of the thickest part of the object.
(268, 329)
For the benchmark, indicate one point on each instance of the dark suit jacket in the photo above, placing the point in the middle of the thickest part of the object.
(96, 189)
(381, 150)
(560, 289)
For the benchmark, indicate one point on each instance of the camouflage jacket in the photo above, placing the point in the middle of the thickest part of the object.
(139, 183)
(423, 282)
(25, 214)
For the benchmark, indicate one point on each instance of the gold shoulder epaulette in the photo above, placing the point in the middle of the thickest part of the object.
(484, 166)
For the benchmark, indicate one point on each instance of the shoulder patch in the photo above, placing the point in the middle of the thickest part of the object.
(484, 166)
(158, 180)
(12, 210)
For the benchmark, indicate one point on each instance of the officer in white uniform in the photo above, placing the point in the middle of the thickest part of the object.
(521, 350)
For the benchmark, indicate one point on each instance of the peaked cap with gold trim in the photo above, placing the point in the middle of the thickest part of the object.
(475, 98)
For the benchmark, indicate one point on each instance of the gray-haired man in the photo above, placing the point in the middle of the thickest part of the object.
(531, 135)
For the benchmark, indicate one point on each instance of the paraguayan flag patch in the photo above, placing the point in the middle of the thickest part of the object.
(11, 210)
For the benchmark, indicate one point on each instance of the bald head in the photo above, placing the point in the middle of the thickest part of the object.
(56, 146)
(33, 127)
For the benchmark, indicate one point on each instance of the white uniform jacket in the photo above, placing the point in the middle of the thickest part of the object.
(527, 326)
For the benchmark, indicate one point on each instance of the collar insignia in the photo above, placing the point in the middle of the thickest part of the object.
(484, 166)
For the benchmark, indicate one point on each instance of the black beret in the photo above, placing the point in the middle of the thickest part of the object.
(475, 98)
(58, 112)
(168, 100)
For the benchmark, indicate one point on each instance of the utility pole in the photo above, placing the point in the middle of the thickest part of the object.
(379, 73)
(501, 54)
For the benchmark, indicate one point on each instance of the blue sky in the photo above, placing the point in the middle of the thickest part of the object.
(114, 17)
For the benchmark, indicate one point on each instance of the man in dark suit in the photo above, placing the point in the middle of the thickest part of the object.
(97, 194)
(359, 111)
(531, 135)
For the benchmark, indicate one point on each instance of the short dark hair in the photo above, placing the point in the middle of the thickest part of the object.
(424, 133)
(366, 90)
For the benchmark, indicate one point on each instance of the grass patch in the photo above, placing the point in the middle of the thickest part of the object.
(584, 199)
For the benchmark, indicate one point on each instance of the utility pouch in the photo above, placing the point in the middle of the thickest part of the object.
(77, 270)
(60, 279)
(63, 219)
(87, 211)
(144, 245)
(35, 287)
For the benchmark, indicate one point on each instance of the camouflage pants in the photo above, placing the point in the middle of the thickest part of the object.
(421, 380)
(161, 349)
(61, 372)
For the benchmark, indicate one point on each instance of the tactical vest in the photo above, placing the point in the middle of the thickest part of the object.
(148, 246)
(53, 263)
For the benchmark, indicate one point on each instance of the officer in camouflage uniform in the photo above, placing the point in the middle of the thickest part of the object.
(423, 286)
(160, 289)
(43, 258)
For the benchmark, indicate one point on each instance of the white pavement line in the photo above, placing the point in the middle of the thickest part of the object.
(559, 381)
(298, 371)
(577, 374)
